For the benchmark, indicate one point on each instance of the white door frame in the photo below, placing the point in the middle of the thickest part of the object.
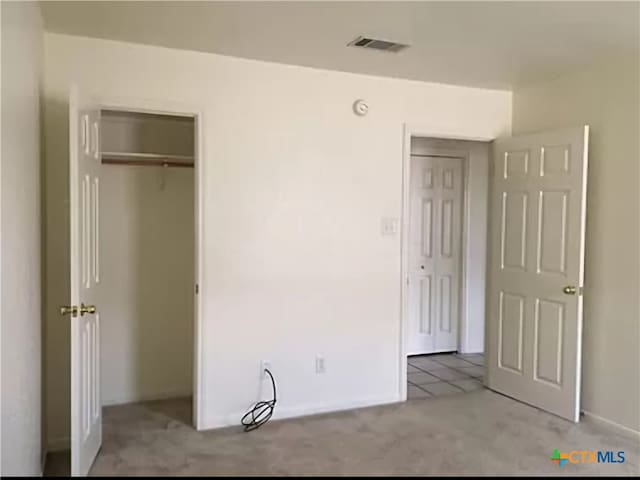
(167, 107)
(435, 132)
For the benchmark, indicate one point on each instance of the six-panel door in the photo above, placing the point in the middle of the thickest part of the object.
(435, 236)
(536, 268)
(84, 211)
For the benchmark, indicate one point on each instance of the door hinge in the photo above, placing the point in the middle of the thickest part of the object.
(197, 289)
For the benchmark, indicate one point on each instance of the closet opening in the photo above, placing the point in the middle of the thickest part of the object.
(148, 285)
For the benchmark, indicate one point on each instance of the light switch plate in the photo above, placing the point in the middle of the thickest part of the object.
(389, 226)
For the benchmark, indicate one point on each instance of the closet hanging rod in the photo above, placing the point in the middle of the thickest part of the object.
(147, 159)
(424, 155)
(147, 163)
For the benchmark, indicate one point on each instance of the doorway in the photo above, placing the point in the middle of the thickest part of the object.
(534, 265)
(445, 244)
(147, 255)
(445, 285)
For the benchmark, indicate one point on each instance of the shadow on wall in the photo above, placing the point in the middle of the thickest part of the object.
(57, 278)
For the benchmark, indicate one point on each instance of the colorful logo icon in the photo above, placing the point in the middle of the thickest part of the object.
(559, 458)
(587, 456)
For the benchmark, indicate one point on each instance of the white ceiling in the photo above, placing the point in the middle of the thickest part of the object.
(483, 44)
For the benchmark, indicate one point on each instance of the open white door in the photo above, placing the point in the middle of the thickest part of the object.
(536, 269)
(84, 166)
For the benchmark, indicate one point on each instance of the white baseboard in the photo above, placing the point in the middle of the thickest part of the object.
(64, 443)
(43, 460)
(598, 418)
(58, 444)
(473, 351)
(301, 411)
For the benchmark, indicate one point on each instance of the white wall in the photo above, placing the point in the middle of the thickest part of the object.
(146, 290)
(608, 98)
(472, 325)
(294, 186)
(21, 268)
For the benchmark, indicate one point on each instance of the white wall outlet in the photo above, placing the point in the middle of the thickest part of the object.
(264, 365)
(389, 226)
(320, 366)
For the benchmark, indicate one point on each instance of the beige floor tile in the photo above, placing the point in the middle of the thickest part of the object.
(415, 392)
(422, 378)
(441, 388)
(468, 385)
(445, 373)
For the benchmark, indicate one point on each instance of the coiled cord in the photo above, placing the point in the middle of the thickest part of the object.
(261, 411)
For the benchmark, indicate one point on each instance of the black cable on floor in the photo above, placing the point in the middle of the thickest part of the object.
(261, 411)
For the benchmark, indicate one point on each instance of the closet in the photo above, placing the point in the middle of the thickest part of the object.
(147, 245)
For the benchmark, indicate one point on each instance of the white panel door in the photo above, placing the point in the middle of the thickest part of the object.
(435, 232)
(84, 181)
(536, 268)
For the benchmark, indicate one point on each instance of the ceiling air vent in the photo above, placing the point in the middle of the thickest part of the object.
(377, 44)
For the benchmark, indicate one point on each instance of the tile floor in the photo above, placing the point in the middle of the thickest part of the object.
(443, 374)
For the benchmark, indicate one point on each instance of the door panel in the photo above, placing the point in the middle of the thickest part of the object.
(513, 238)
(84, 167)
(424, 303)
(445, 304)
(548, 329)
(446, 216)
(516, 164)
(552, 232)
(536, 251)
(427, 228)
(434, 253)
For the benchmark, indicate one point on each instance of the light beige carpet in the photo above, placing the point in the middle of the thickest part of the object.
(475, 433)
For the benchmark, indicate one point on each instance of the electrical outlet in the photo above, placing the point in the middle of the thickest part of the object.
(320, 366)
(264, 365)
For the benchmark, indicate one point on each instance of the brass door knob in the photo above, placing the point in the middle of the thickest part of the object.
(87, 309)
(569, 290)
(69, 310)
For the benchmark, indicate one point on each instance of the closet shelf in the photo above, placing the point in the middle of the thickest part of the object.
(147, 159)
